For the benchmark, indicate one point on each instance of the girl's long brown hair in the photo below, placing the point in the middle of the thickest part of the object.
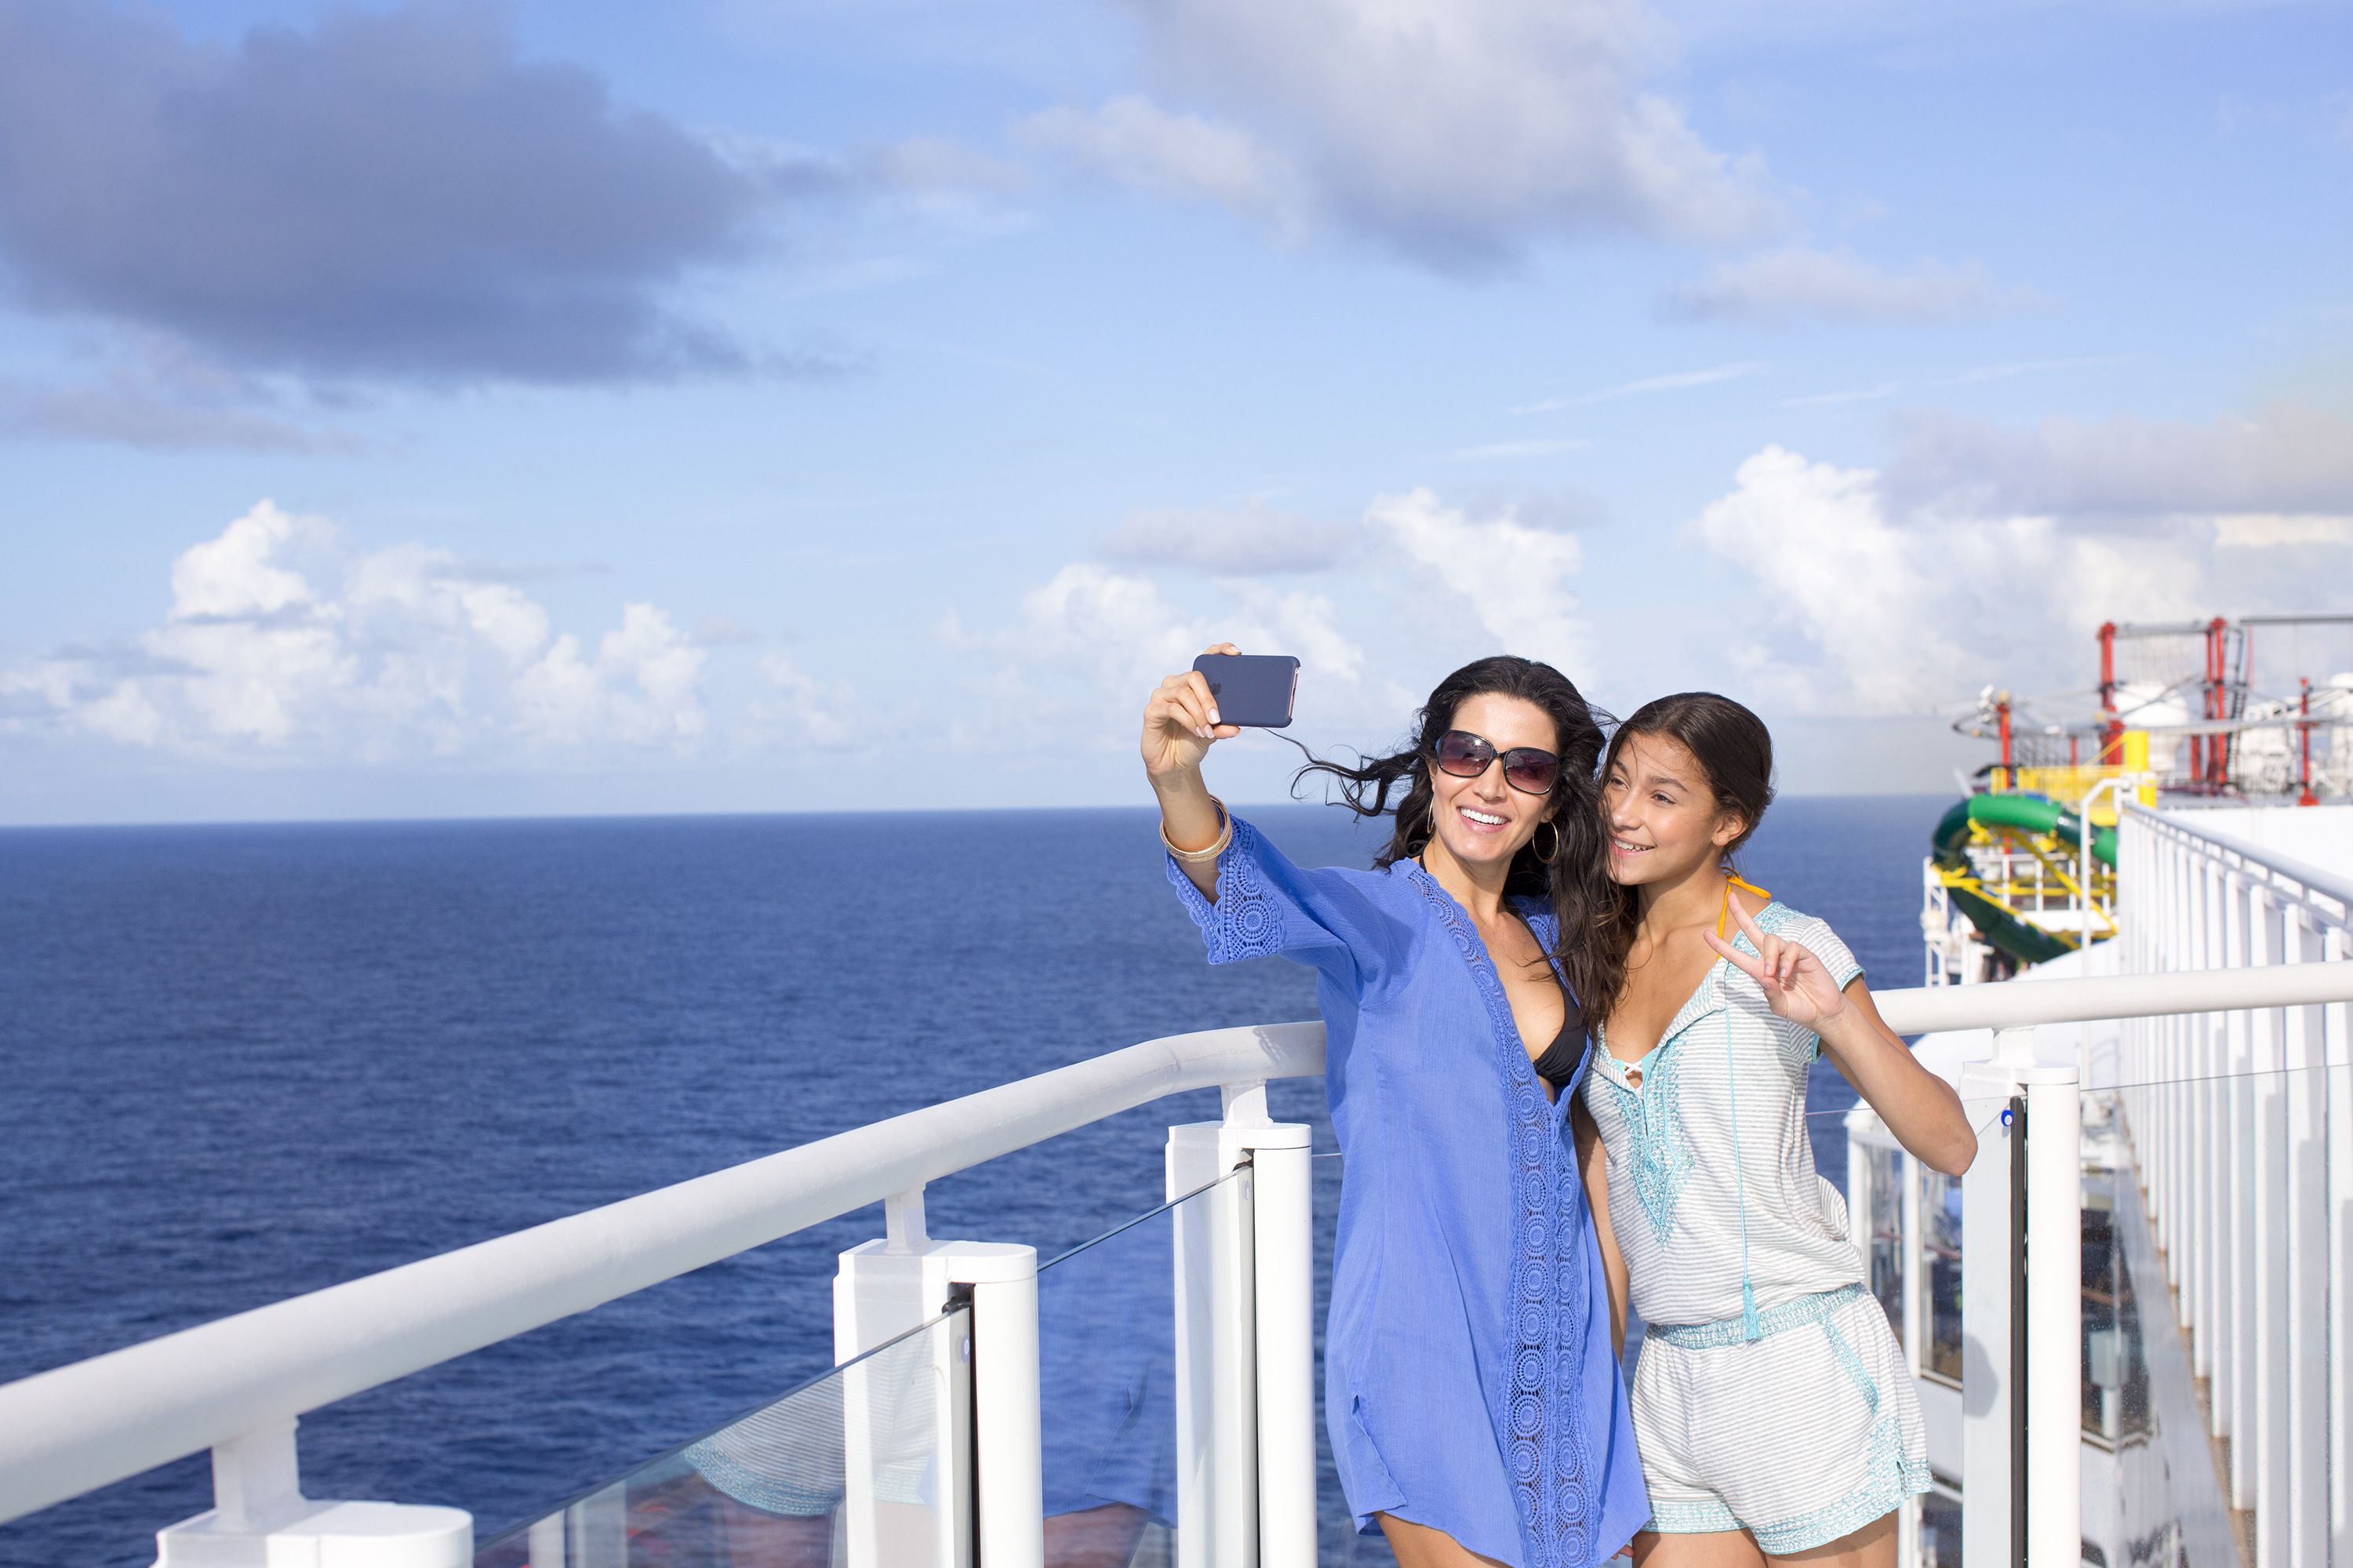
(1735, 752)
(1574, 878)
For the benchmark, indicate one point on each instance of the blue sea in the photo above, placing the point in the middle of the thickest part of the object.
(241, 1062)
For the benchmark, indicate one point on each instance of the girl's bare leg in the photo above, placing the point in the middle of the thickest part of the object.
(1714, 1549)
(1872, 1546)
(1419, 1546)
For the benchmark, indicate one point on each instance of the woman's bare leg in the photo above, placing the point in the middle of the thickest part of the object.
(1099, 1538)
(1419, 1546)
(759, 1539)
(1872, 1546)
(1711, 1549)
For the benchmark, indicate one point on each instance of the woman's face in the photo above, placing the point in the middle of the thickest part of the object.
(1483, 821)
(1664, 819)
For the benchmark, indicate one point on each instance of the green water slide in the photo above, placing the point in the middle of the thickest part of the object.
(2026, 942)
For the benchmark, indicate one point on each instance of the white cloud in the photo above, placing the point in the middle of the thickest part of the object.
(1799, 280)
(1883, 603)
(283, 642)
(1513, 577)
(1455, 131)
(798, 707)
(1247, 539)
(1136, 143)
(2271, 530)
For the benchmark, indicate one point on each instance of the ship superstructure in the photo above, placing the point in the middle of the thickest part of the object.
(2195, 812)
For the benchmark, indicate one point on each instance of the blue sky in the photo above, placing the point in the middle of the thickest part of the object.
(730, 405)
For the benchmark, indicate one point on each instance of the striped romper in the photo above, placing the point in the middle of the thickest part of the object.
(1771, 1395)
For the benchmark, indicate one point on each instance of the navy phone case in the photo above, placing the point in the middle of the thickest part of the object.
(1253, 689)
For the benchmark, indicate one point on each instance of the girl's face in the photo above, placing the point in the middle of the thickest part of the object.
(1664, 819)
(1483, 821)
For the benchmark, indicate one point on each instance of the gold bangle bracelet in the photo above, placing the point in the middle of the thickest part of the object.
(1208, 852)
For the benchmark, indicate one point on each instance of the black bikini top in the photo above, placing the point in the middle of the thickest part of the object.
(1556, 1064)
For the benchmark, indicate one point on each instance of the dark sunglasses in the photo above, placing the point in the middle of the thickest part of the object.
(1527, 769)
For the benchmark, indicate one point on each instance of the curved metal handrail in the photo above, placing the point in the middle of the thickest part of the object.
(79, 1427)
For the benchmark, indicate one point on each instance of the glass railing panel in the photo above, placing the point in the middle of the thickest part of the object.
(1108, 1371)
(857, 1467)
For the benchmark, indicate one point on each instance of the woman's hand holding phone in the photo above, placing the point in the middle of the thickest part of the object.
(1180, 724)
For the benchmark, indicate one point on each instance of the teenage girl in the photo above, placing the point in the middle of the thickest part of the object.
(1772, 1406)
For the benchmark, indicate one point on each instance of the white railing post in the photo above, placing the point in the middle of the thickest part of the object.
(1991, 1459)
(920, 1466)
(259, 1519)
(2054, 1317)
(1009, 1493)
(2021, 1317)
(1216, 1335)
(2305, 1277)
(2339, 1073)
(1282, 1174)
(1245, 1339)
(2234, 1361)
(2268, 1155)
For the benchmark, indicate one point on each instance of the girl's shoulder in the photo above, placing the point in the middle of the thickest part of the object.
(1812, 933)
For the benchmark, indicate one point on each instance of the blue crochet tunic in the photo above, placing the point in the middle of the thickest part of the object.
(1468, 1380)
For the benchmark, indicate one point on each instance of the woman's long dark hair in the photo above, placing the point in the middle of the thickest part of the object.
(1574, 877)
(1735, 752)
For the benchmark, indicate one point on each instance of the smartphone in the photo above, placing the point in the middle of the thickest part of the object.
(1254, 689)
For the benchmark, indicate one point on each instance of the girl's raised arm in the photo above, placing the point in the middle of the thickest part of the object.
(1180, 724)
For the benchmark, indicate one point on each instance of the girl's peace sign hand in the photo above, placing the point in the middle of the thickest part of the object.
(1794, 981)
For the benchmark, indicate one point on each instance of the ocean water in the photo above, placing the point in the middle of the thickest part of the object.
(241, 1062)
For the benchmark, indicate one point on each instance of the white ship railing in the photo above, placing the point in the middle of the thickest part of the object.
(2245, 1144)
(236, 1387)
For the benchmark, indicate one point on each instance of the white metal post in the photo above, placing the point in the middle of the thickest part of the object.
(1010, 1492)
(2338, 1051)
(1216, 1333)
(2268, 1154)
(2232, 1394)
(2212, 1148)
(1989, 1527)
(920, 1466)
(1912, 1320)
(259, 1519)
(1283, 1216)
(2054, 1317)
(2306, 1541)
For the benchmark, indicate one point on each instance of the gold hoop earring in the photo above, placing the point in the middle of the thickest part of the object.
(1554, 852)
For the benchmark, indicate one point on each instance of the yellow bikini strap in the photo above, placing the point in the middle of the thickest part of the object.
(1731, 881)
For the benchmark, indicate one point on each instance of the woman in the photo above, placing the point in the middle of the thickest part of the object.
(1475, 1407)
(1776, 1415)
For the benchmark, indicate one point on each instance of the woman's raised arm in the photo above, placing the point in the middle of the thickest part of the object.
(1180, 724)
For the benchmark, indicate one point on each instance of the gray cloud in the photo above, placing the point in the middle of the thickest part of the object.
(396, 196)
(2285, 459)
(1457, 134)
(1251, 539)
(127, 413)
